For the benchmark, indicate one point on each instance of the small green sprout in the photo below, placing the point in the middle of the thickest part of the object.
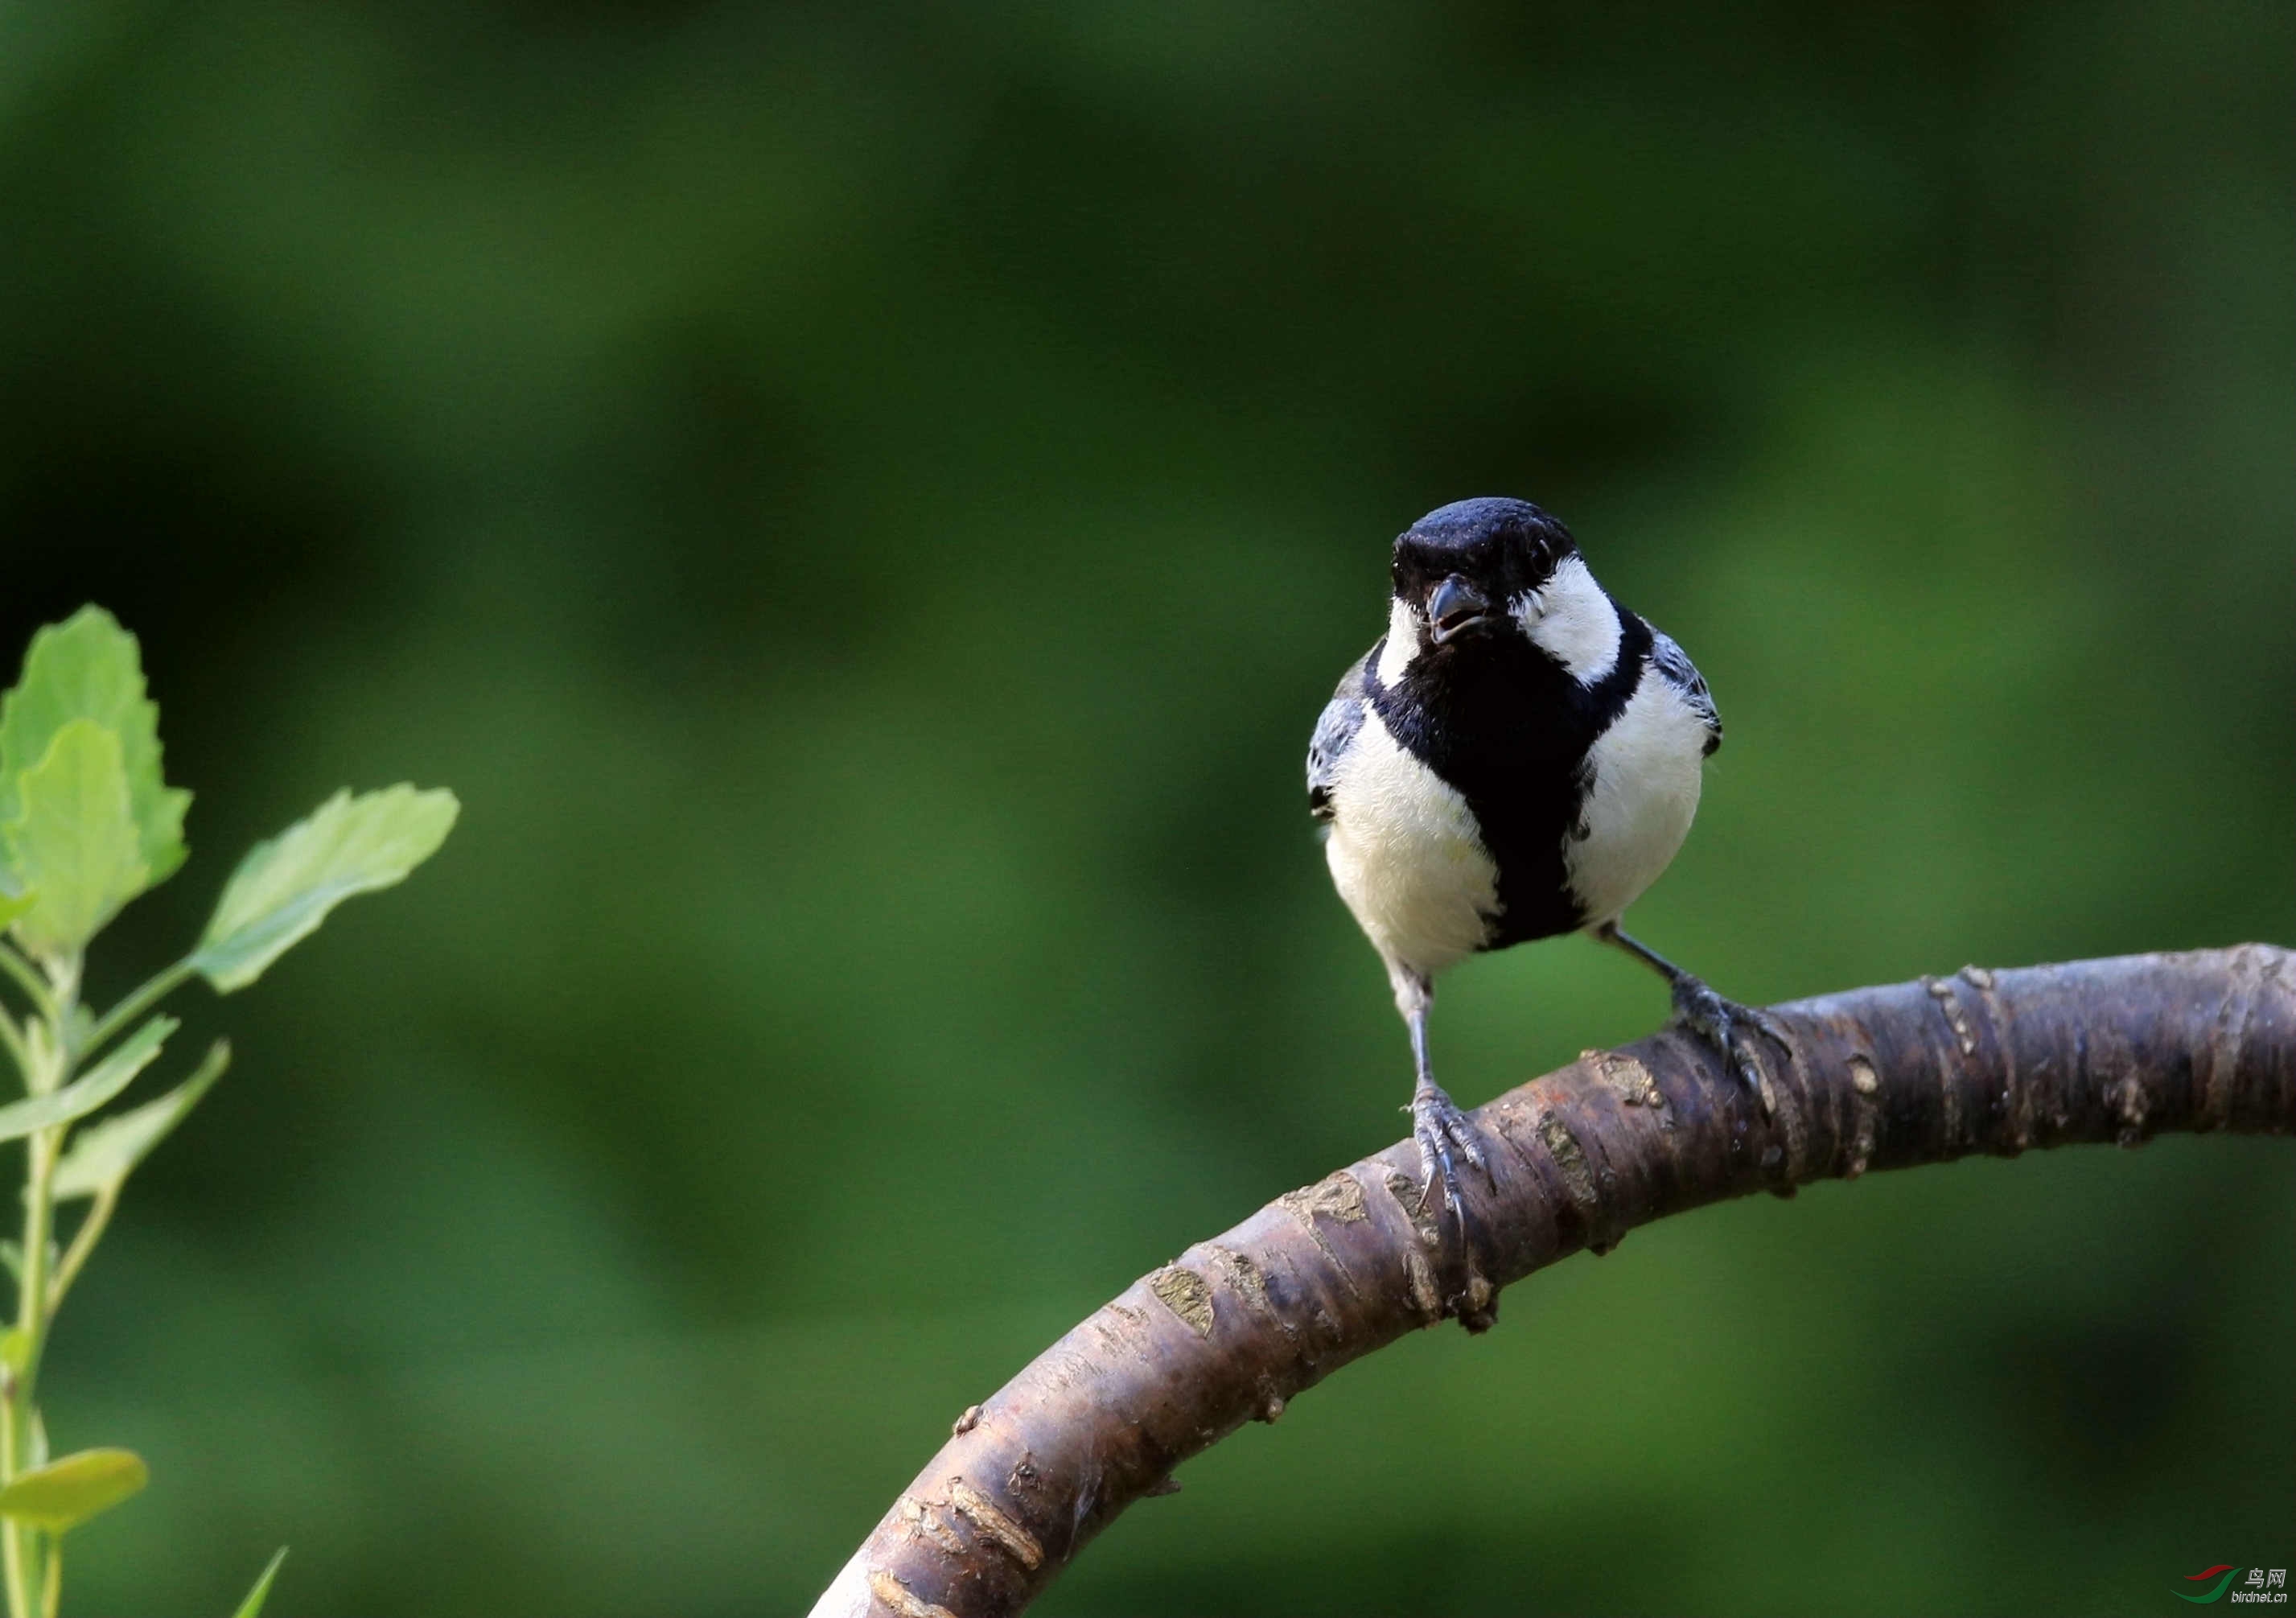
(87, 822)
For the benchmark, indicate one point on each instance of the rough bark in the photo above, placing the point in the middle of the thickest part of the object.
(1884, 1078)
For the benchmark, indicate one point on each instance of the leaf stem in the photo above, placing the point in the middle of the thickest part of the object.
(141, 999)
(51, 1064)
(106, 1197)
(11, 1039)
(12, 1539)
(28, 978)
(83, 1243)
(31, 1324)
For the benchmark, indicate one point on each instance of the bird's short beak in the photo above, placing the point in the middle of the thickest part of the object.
(1455, 606)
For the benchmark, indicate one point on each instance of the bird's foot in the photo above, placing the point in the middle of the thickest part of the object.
(1728, 1028)
(1444, 1134)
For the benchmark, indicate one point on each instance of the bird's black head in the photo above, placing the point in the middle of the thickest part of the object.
(1460, 570)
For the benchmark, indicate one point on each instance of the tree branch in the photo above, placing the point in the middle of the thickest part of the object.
(1885, 1078)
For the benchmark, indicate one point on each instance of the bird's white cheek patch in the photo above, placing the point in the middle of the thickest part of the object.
(1638, 808)
(1402, 645)
(1573, 621)
(1406, 856)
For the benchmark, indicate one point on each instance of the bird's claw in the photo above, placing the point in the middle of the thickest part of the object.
(1725, 1025)
(1443, 1131)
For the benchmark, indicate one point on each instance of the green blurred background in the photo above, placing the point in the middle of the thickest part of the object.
(864, 506)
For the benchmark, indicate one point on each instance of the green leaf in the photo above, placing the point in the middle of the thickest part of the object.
(285, 888)
(72, 842)
(88, 668)
(102, 1153)
(252, 1607)
(62, 1495)
(100, 1084)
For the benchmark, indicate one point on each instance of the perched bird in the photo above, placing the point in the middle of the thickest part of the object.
(1517, 756)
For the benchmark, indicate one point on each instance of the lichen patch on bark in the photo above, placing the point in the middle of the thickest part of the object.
(1335, 1196)
(923, 1522)
(1628, 1078)
(1184, 1294)
(1562, 1147)
(994, 1525)
(898, 1599)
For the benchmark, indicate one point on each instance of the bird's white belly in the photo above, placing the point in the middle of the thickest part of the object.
(1642, 793)
(1406, 856)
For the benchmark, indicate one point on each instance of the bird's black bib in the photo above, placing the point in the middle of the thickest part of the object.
(1507, 728)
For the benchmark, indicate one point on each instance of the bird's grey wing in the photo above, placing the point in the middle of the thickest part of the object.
(1674, 665)
(1335, 732)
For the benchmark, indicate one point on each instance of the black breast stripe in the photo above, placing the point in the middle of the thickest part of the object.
(1510, 730)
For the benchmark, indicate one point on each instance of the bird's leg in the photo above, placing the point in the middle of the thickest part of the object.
(1721, 1023)
(1442, 1130)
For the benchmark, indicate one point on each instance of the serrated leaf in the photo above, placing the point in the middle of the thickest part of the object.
(89, 668)
(285, 888)
(72, 842)
(99, 1085)
(252, 1607)
(102, 1153)
(69, 1489)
